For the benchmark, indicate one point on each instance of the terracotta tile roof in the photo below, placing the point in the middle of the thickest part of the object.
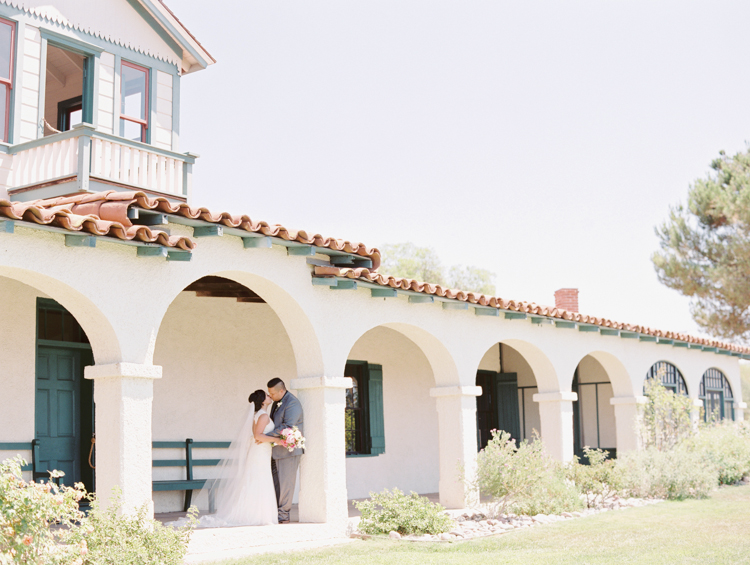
(529, 308)
(113, 205)
(67, 217)
(108, 211)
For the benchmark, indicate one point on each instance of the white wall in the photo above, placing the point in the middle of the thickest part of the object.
(107, 102)
(31, 61)
(214, 352)
(114, 20)
(410, 461)
(163, 126)
(17, 371)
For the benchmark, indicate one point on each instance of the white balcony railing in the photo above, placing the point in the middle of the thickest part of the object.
(85, 156)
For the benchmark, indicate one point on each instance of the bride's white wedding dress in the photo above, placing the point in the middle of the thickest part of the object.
(243, 493)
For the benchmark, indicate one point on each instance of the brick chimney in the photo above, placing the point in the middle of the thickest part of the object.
(567, 299)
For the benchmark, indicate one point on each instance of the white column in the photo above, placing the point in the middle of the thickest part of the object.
(739, 410)
(123, 394)
(627, 416)
(457, 431)
(322, 493)
(556, 417)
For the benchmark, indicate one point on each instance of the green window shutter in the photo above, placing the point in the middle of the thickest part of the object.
(377, 427)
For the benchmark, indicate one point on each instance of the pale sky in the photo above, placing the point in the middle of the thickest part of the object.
(542, 140)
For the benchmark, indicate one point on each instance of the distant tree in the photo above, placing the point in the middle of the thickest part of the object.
(412, 262)
(705, 248)
(423, 264)
(472, 279)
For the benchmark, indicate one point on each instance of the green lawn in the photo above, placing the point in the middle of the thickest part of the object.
(715, 530)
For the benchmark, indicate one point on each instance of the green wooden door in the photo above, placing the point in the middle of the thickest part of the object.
(508, 416)
(64, 407)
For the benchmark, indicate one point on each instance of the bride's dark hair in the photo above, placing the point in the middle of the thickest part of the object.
(257, 398)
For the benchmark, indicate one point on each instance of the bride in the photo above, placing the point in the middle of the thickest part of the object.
(243, 493)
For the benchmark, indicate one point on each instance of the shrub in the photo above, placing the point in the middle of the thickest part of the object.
(393, 511)
(113, 538)
(600, 480)
(553, 493)
(27, 510)
(675, 475)
(727, 446)
(506, 471)
(665, 418)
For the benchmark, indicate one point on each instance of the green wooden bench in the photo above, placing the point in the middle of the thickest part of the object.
(188, 484)
(33, 466)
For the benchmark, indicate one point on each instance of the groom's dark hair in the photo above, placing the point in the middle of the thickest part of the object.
(273, 383)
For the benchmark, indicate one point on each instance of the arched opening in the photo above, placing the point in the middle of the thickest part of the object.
(594, 423)
(669, 376)
(47, 406)
(219, 341)
(508, 386)
(716, 394)
(392, 436)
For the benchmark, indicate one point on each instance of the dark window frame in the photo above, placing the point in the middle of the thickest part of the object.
(672, 378)
(715, 381)
(65, 108)
(361, 415)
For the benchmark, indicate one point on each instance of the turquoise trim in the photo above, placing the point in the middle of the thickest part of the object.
(455, 305)
(383, 292)
(87, 130)
(586, 328)
(628, 335)
(156, 14)
(42, 89)
(647, 338)
(424, 299)
(609, 331)
(479, 311)
(71, 44)
(565, 324)
(515, 316)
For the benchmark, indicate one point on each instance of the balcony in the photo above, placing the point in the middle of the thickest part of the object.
(85, 160)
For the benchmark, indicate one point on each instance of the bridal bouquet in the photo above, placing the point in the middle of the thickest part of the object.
(292, 439)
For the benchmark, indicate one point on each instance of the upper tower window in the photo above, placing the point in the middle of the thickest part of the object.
(66, 86)
(134, 106)
(7, 32)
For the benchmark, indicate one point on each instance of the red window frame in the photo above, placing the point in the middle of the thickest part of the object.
(143, 123)
(8, 83)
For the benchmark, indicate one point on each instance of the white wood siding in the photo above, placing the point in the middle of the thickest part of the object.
(30, 84)
(106, 118)
(162, 135)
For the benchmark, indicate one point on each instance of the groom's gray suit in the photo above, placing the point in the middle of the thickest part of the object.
(285, 414)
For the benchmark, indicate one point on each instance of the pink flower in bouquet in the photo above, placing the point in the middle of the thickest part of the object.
(292, 439)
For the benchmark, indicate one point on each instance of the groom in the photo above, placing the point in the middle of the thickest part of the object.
(286, 412)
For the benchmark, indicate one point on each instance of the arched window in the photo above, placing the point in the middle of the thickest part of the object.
(716, 394)
(669, 376)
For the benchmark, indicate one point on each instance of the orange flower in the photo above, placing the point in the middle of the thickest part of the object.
(27, 539)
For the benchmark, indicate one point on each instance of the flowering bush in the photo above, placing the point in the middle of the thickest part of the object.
(42, 524)
(393, 511)
(27, 512)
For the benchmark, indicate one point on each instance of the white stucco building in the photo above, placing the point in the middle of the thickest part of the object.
(129, 311)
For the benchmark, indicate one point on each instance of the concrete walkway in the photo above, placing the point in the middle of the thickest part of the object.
(216, 544)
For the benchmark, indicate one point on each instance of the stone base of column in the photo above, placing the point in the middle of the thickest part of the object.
(123, 394)
(322, 493)
(556, 419)
(457, 429)
(627, 418)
